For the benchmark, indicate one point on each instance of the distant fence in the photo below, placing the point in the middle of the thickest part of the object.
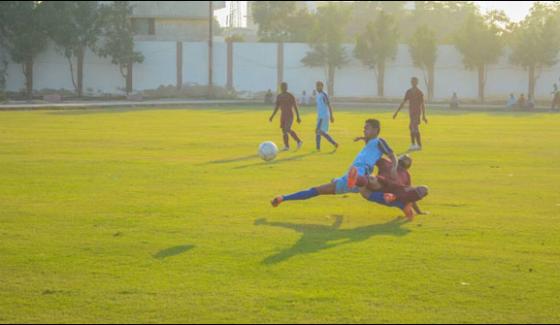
(257, 67)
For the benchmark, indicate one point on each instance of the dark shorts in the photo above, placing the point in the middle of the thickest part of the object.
(286, 123)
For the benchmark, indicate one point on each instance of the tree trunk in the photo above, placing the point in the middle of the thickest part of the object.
(279, 65)
(229, 82)
(210, 50)
(179, 65)
(532, 81)
(28, 72)
(381, 79)
(481, 83)
(80, 71)
(431, 82)
(128, 78)
(330, 82)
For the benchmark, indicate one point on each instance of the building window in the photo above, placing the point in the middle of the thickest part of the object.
(144, 26)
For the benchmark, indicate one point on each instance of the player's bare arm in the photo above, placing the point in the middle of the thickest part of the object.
(297, 112)
(424, 113)
(274, 113)
(417, 209)
(399, 109)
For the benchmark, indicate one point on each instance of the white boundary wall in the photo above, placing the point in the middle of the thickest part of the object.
(255, 70)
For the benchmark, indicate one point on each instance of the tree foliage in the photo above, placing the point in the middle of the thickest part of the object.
(378, 44)
(423, 50)
(326, 41)
(76, 26)
(24, 28)
(481, 43)
(282, 21)
(118, 43)
(535, 41)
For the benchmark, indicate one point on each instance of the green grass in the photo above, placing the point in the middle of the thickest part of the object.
(163, 216)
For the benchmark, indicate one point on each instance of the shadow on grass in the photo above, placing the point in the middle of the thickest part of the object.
(172, 251)
(283, 160)
(318, 237)
(225, 161)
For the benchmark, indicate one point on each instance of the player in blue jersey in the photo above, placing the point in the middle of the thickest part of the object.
(324, 116)
(363, 165)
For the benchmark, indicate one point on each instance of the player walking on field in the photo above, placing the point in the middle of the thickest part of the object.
(285, 101)
(416, 108)
(324, 115)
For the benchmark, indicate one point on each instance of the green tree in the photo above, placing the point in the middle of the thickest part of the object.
(479, 41)
(3, 73)
(281, 21)
(535, 42)
(23, 26)
(300, 26)
(118, 39)
(376, 45)
(442, 17)
(326, 41)
(76, 27)
(423, 50)
(364, 12)
(3, 69)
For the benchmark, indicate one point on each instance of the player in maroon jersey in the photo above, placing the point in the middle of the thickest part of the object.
(417, 109)
(286, 102)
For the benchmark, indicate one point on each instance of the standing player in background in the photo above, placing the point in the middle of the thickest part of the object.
(286, 102)
(324, 115)
(416, 108)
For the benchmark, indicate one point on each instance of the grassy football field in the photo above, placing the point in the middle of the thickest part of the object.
(163, 215)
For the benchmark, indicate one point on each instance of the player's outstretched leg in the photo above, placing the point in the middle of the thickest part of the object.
(325, 189)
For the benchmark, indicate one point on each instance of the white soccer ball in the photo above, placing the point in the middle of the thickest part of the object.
(268, 150)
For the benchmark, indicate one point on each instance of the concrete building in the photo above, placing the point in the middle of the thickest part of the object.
(172, 20)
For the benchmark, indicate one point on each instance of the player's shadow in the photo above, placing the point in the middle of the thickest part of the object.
(172, 251)
(318, 237)
(230, 160)
(276, 161)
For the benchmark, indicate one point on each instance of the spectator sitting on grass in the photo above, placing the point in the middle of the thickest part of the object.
(313, 96)
(454, 103)
(511, 101)
(555, 98)
(530, 103)
(304, 99)
(268, 97)
(521, 102)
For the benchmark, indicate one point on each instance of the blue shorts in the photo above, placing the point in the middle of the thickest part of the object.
(342, 183)
(342, 186)
(323, 124)
(378, 198)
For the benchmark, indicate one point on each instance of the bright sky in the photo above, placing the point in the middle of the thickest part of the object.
(516, 10)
